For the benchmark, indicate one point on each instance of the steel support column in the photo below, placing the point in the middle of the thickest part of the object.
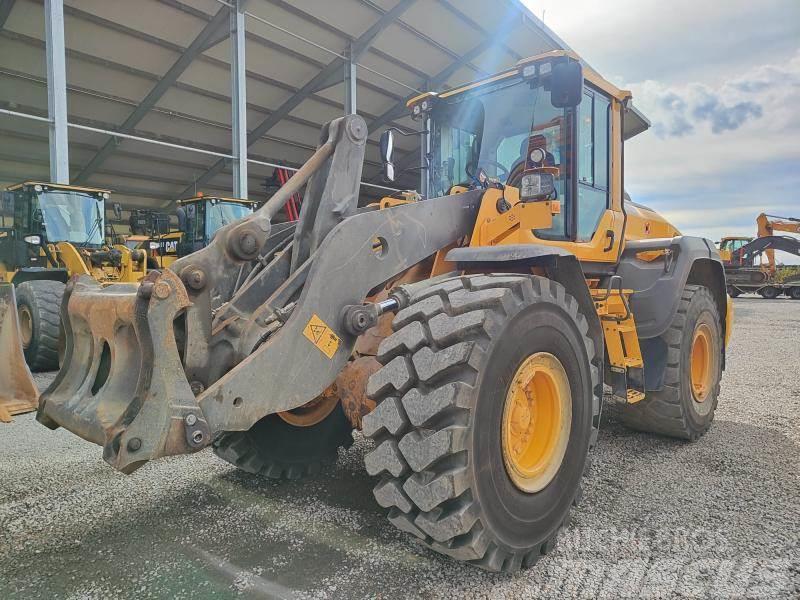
(350, 83)
(327, 77)
(238, 101)
(56, 90)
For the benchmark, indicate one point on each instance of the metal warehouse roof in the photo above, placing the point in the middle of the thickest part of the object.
(160, 69)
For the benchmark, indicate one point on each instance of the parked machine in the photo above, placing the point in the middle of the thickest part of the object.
(199, 218)
(469, 334)
(739, 256)
(49, 233)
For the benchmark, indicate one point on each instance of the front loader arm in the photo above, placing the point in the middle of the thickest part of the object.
(290, 369)
(239, 330)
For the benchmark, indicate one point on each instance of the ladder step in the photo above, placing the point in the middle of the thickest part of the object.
(635, 396)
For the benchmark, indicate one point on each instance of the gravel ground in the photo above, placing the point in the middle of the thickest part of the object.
(660, 518)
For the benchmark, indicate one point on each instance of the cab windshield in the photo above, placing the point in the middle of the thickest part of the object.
(74, 217)
(219, 214)
(496, 128)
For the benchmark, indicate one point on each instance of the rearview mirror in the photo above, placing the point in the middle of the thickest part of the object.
(387, 148)
(117, 208)
(566, 86)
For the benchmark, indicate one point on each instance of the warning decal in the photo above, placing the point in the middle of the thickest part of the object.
(322, 336)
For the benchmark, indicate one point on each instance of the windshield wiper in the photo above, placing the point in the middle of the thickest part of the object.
(97, 224)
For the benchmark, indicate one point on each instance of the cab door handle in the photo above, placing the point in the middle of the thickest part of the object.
(610, 235)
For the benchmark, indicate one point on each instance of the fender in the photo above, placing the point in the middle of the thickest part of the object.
(658, 285)
(39, 274)
(559, 264)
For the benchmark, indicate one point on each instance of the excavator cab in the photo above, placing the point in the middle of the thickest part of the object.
(729, 247)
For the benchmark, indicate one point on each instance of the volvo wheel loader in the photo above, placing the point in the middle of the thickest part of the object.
(53, 232)
(470, 334)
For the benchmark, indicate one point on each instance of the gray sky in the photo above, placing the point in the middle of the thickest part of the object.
(720, 82)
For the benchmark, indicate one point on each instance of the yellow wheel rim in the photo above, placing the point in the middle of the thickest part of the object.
(25, 325)
(537, 418)
(313, 412)
(702, 362)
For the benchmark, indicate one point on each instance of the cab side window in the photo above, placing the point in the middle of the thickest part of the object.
(593, 162)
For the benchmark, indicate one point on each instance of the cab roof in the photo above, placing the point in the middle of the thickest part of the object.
(58, 186)
(218, 198)
(634, 123)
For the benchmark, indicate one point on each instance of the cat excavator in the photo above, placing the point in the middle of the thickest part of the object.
(471, 334)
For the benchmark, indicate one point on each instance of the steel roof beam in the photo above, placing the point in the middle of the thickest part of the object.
(330, 75)
(175, 71)
(494, 38)
(120, 68)
(5, 11)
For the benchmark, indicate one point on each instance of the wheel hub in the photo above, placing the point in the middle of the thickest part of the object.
(25, 325)
(312, 412)
(702, 363)
(537, 419)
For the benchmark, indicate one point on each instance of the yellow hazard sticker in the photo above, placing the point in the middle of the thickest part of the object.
(322, 336)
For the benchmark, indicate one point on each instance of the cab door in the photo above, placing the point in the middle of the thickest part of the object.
(599, 218)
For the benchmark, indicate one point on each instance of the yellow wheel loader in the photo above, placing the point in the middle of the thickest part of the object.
(199, 218)
(471, 334)
(51, 232)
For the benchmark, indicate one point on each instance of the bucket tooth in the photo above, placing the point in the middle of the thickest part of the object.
(18, 392)
(122, 385)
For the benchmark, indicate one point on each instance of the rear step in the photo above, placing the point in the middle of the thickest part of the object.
(113, 390)
(18, 392)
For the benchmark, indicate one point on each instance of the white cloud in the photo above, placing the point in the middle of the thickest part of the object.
(674, 41)
(701, 131)
(720, 82)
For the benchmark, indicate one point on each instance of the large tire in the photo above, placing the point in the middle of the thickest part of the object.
(279, 450)
(437, 425)
(733, 292)
(39, 305)
(674, 411)
(769, 292)
(794, 292)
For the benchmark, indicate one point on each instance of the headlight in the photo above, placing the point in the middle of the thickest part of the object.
(33, 239)
(529, 71)
(536, 185)
(106, 195)
(153, 245)
(37, 188)
(416, 110)
(538, 155)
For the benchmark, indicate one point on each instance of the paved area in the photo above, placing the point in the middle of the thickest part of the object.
(660, 518)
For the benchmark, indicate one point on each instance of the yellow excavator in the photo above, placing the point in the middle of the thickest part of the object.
(739, 256)
(471, 334)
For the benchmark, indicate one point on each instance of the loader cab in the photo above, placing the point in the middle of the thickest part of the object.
(199, 219)
(548, 131)
(35, 213)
